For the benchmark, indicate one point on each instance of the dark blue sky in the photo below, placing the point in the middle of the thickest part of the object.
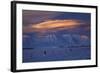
(31, 17)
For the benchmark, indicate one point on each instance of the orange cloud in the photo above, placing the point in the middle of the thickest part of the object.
(53, 25)
(56, 24)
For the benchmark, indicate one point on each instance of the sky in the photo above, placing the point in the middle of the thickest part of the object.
(39, 23)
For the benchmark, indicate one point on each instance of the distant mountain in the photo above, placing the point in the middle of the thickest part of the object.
(55, 39)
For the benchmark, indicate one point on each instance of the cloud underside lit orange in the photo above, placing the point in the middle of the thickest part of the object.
(53, 25)
(56, 25)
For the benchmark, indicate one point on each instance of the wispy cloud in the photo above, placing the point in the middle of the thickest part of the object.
(53, 25)
(26, 36)
(33, 17)
(84, 37)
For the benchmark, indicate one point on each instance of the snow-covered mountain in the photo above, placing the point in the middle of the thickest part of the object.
(60, 40)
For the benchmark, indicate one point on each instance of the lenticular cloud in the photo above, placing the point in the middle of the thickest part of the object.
(56, 24)
(53, 25)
